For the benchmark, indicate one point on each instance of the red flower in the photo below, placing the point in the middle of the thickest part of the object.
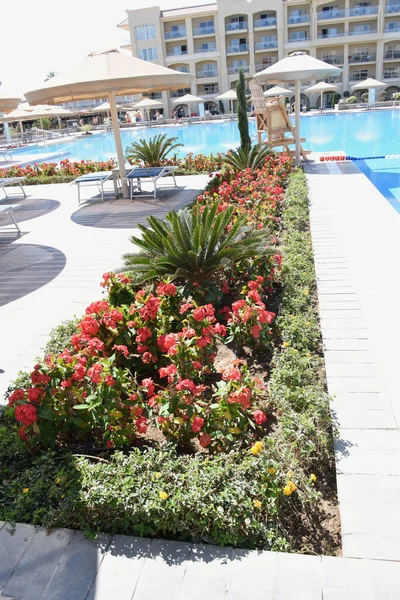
(109, 380)
(89, 325)
(95, 373)
(122, 348)
(184, 307)
(66, 383)
(197, 424)
(255, 331)
(259, 417)
(148, 385)
(143, 334)
(26, 414)
(166, 289)
(15, 396)
(141, 424)
(232, 375)
(185, 384)
(79, 372)
(205, 440)
(265, 316)
(168, 372)
(97, 307)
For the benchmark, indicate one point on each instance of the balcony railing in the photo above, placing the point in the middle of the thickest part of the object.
(359, 11)
(266, 45)
(321, 36)
(125, 41)
(209, 92)
(238, 48)
(182, 69)
(360, 76)
(204, 30)
(294, 19)
(391, 74)
(298, 40)
(233, 70)
(179, 93)
(207, 73)
(236, 26)
(362, 58)
(332, 60)
(331, 14)
(176, 53)
(395, 29)
(210, 48)
(178, 33)
(392, 54)
(392, 8)
(269, 22)
(264, 65)
(363, 32)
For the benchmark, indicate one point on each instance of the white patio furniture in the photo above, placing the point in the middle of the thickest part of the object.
(7, 209)
(93, 179)
(12, 181)
(152, 174)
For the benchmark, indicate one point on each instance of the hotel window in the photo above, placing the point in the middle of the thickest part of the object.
(145, 32)
(148, 53)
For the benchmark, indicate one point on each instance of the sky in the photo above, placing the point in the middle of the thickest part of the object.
(39, 36)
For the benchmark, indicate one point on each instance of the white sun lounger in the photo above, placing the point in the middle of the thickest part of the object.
(6, 155)
(151, 173)
(97, 179)
(7, 209)
(6, 181)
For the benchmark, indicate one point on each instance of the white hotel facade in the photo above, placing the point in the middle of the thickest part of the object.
(213, 41)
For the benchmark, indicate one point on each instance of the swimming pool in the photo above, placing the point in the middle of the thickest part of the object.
(385, 175)
(371, 133)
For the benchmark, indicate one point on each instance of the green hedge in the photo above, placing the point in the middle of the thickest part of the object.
(210, 499)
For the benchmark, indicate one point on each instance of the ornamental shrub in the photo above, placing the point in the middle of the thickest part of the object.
(153, 152)
(247, 157)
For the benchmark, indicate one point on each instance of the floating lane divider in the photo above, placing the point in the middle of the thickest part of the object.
(343, 157)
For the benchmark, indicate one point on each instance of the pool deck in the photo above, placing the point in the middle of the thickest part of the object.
(356, 243)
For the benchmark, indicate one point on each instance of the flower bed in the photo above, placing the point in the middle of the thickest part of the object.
(234, 396)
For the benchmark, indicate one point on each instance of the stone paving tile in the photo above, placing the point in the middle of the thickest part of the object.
(207, 573)
(342, 324)
(350, 334)
(350, 369)
(354, 384)
(365, 401)
(14, 541)
(34, 571)
(379, 547)
(369, 462)
(375, 439)
(298, 578)
(346, 344)
(252, 575)
(348, 418)
(340, 314)
(345, 356)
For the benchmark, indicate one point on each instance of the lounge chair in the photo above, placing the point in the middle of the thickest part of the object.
(6, 181)
(98, 179)
(6, 155)
(7, 209)
(151, 173)
(273, 122)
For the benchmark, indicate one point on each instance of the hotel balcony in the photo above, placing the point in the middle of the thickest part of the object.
(392, 8)
(331, 34)
(272, 45)
(393, 27)
(175, 34)
(207, 73)
(198, 31)
(237, 49)
(269, 22)
(236, 26)
(266, 64)
(361, 76)
(298, 19)
(210, 48)
(392, 55)
(364, 31)
(235, 70)
(179, 93)
(362, 58)
(126, 42)
(208, 90)
(176, 52)
(336, 13)
(394, 74)
(332, 60)
(362, 11)
(298, 40)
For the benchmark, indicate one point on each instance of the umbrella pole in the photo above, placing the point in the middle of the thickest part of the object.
(118, 144)
(322, 97)
(297, 118)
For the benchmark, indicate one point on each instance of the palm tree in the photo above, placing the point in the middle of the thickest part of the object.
(50, 75)
(152, 153)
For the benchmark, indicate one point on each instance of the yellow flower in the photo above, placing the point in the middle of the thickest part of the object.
(305, 292)
(313, 477)
(289, 488)
(285, 344)
(58, 480)
(25, 490)
(286, 490)
(257, 448)
(271, 471)
(157, 475)
(308, 354)
(257, 503)
(163, 495)
(308, 323)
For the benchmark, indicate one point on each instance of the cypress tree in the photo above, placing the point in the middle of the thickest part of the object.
(243, 122)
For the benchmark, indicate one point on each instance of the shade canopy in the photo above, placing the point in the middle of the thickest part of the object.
(277, 91)
(322, 86)
(8, 100)
(108, 73)
(148, 103)
(297, 67)
(25, 112)
(229, 95)
(187, 99)
(368, 84)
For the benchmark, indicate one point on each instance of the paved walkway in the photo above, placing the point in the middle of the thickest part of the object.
(356, 239)
(66, 566)
(53, 270)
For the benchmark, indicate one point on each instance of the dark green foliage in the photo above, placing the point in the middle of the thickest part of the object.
(152, 153)
(194, 245)
(243, 122)
(245, 157)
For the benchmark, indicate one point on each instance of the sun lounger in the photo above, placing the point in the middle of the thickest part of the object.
(151, 173)
(5, 155)
(98, 179)
(6, 181)
(7, 209)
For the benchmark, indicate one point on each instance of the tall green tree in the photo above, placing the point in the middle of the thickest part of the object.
(243, 122)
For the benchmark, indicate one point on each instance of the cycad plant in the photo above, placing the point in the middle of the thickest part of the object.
(152, 153)
(245, 157)
(194, 245)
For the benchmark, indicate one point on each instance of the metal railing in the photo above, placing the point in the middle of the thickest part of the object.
(331, 14)
(264, 65)
(391, 74)
(392, 8)
(268, 22)
(293, 20)
(210, 48)
(266, 45)
(360, 76)
(238, 48)
(236, 26)
(359, 11)
(364, 32)
(392, 29)
(171, 35)
(298, 40)
(233, 70)
(210, 92)
(207, 73)
(361, 58)
(204, 30)
(321, 36)
(179, 93)
(392, 54)
(181, 53)
(332, 60)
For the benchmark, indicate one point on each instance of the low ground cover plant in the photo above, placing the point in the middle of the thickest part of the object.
(194, 407)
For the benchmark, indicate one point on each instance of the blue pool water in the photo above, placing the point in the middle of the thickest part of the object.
(358, 134)
(385, 175)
